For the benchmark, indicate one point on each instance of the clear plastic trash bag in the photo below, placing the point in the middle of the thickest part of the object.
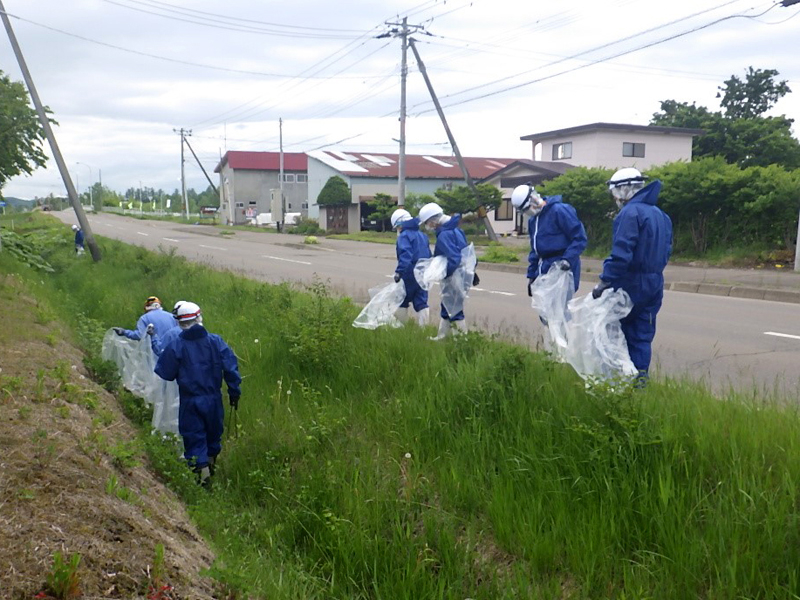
(384, 302)
(428, 271)
(550, 294)
(136, 363)
(455, 289)
(583, 332)
(596, 347)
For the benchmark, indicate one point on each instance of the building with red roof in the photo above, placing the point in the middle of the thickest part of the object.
(247, 181)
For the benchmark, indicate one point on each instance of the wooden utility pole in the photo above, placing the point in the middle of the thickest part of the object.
(94, 250)
(184, 133)
(481, 210)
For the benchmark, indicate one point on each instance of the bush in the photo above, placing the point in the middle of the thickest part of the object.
(306, 227)
(497, 253)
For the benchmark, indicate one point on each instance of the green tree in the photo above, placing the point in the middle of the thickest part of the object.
(21, 134)
(334, 192)
(752, 97)
(742, 135)
(416, 201)
(382, 207)
(463, 200)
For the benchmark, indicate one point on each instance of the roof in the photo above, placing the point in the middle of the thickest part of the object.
(547, 168)
(263, 161)
(360, 164)
(536, 137)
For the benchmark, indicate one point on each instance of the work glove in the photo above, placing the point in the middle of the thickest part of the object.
(599, 289)
(530, 283)
(234, 400)
(119, 330)
(151, 329)
(563, 265)
(397, 277)
(475, 279)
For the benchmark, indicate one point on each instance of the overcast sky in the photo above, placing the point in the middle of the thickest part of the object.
(120, 75)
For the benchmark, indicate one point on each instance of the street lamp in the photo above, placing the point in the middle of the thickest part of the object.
(91, 179)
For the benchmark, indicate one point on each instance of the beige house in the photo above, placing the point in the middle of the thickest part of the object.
(614, 145)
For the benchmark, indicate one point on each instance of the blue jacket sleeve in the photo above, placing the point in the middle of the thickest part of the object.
(167, 365)
(572, 227)
(626, 238)
(405, 255)
(446, 246)
(230, 370)
(139, 332)
(533, 256)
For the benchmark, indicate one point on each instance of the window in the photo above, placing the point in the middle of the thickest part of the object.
(288, 177)
(504, 212)
(290, 206)
(252, 203)
(302, 178)
(304, 205)
(562, 151)
(632, 149)
(240, 205)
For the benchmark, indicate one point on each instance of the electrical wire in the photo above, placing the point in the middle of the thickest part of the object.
(598, 61)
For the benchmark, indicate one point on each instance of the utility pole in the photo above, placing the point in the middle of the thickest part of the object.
(184, 133)
(94, 250)
(202, 168)
(402, 33)
(481, 210)
(280, 137)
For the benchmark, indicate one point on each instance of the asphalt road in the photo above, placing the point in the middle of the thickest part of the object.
(734, 343)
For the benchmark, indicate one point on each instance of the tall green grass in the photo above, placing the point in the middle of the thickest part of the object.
(381, 465)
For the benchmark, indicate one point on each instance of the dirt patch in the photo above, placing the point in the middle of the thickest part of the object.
(72, 479)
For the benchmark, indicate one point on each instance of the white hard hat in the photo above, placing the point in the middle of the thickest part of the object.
(430, 210)
(74, 228)
(186, 311)
(524, 195)
(400, 215)
(626, 176)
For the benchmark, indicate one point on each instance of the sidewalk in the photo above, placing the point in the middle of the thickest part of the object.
(778, 285)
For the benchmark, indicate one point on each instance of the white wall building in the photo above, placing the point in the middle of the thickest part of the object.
(614, 145)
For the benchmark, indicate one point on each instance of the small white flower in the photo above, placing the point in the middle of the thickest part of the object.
(74, 367)
(255, 341)
(408, 454)
(82, 377)
(288, 392)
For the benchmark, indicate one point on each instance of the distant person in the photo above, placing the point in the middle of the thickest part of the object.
(450, 241)
(412, 244)
(199, 360)
(79, 249)
(557, 234)
(640, 249)
(155, 321)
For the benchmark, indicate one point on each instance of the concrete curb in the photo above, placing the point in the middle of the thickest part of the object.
(711, 289)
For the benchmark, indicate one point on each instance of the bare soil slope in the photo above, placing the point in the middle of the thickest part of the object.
(72, 479)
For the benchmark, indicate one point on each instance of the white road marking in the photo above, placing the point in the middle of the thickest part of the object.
(299, 262)
(144, 234)
(784, 335)
(477, 289)
(213, 247)
(170, 239)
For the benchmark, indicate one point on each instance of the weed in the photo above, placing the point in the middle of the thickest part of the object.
(158, 589)
(497, 253)
(26, 494)
(63, 581)
(63, 412)
(125, 454)
(113, 488)
(10, 385)
(52, 339)
(24, 412)
(39, 388)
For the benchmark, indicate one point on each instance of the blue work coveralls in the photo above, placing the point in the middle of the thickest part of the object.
(199, 360)
(641, 247)
(412, 244)
(450, 241)
(162, 322)
(78, 240)
(162, 340)
(556, 234)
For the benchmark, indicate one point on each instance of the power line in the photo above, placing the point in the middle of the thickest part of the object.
(218, 24)
(164, 58)
(598, 61)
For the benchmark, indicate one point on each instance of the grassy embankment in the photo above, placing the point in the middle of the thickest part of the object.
(381, 465)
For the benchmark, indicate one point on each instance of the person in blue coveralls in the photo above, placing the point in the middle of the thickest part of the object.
(79, 249)
(640, 249)
(450, 241)
(155, 321)
(162, 340)
(412, 244)
(557, 234)
(199, 361)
